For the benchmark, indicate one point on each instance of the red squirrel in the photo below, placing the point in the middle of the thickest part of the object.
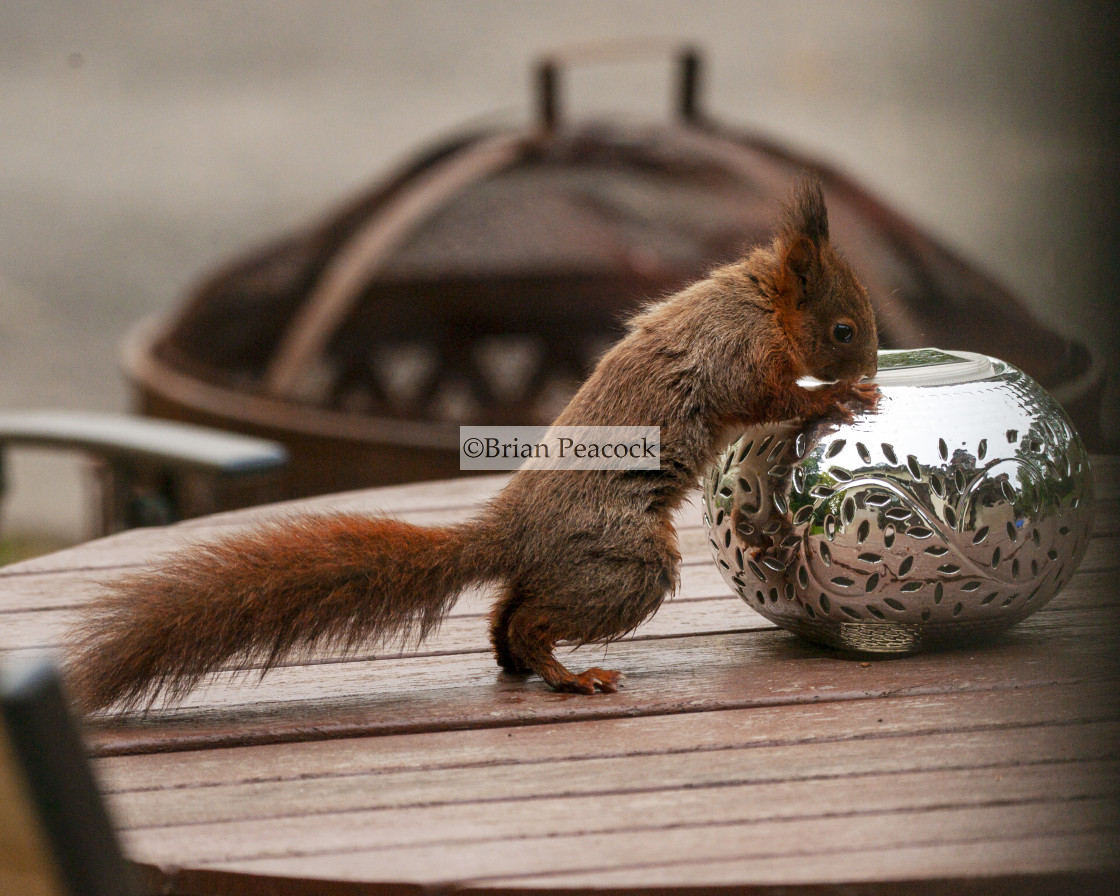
(574, 556)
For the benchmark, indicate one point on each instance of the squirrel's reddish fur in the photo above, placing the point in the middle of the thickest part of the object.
(576, 556)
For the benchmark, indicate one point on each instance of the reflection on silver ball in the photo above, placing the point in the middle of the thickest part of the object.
(962, 504)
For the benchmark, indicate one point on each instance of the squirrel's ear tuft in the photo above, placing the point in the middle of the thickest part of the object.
(805, 214)
(799, 259)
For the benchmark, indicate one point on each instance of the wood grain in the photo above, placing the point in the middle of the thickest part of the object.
(655, 811)
(817, 722)
(617, 775)
(735, 753)
(818, 839)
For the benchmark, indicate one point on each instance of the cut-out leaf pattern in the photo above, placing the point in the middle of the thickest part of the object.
(891, 536)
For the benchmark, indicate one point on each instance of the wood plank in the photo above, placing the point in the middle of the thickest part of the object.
(616, 776)
(465, 630)
(810, 838)
(1055, 866)
(422, 503)
(665, 676)
(1047, 863)
(729, 747)
(46, 591)
(813, 723)
(141, 547)
(503, 793)
(30, 629)
(28, 604)
(1046, 641)
(705, 605)
(654, 810)
(620, 774)
(700, 580)
(466, 634)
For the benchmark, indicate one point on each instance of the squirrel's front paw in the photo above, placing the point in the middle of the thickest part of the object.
(863, 395)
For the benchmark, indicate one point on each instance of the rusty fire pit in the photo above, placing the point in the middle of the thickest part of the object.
(481, 283)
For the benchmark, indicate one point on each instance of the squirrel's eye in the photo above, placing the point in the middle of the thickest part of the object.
(843, 333)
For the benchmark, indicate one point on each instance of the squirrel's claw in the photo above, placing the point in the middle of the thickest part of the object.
(867, 394)
(594, 679)
(864, 395)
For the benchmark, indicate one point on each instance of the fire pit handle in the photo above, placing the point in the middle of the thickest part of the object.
(548, 74)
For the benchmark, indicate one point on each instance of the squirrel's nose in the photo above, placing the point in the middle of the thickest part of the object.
(871, 367)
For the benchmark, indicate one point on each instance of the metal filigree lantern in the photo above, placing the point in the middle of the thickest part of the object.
(962, 504)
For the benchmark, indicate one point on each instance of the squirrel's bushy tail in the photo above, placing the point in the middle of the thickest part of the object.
(251, 599)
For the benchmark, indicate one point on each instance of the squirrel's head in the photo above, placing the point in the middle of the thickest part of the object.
(819, 300)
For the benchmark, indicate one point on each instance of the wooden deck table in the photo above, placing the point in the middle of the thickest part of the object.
(735, 755)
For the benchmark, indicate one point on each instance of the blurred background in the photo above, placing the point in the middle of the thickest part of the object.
(144, 143)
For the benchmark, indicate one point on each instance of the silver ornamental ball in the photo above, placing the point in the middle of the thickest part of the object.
(961, 505)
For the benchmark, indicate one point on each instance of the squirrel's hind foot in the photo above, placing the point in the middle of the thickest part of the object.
(587, 682)
(524, 638)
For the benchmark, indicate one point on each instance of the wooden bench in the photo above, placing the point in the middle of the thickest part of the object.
(153, 472)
